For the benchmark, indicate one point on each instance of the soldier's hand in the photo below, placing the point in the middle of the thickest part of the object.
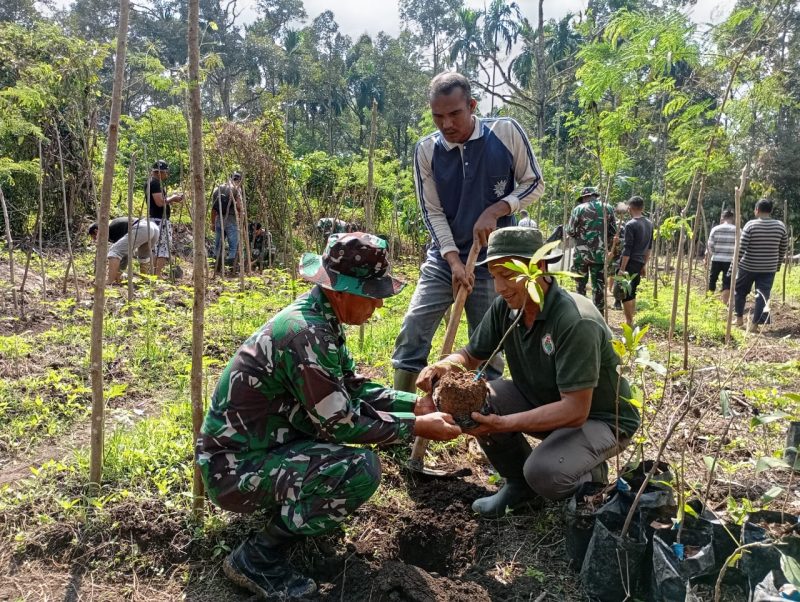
(424, 406)
(436, 426)
(432, 373)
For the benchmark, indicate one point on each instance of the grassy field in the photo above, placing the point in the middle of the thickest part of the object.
(137, 539)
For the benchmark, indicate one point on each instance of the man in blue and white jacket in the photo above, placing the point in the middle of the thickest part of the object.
(471, 176)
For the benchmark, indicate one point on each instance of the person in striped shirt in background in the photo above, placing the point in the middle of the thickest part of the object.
(721, 243)
(762, 247)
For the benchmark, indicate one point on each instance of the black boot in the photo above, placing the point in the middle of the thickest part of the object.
(507, 453)
(259, 565)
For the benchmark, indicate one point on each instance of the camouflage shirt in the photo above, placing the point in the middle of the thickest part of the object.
(295, 379)
(586, 225)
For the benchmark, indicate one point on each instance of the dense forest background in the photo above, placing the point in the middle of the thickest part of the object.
(628, 95)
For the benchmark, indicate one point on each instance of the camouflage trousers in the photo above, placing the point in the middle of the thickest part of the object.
(590, 264)
(312, 485)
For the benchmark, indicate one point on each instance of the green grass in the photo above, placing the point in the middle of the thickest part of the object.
(707, 314)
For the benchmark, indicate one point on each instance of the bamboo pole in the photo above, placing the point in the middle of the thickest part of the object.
(71, 262)
(41, 219)
(737, 197)
(10, 243)
(787, 259)
(690, 266)
(679, 269)
(98, 307)
(369, 202)
(131, 177)
(199, 251)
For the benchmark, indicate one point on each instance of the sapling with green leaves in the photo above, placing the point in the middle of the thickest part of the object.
(530, 274)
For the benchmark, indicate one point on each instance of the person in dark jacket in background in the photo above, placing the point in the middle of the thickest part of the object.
(638, 240)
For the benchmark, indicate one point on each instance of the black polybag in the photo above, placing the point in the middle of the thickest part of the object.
(672, 576)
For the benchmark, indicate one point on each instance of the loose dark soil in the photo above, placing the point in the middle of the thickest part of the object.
(459, 394)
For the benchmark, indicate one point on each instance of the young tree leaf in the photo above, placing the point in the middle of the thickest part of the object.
(619, 347)
(543, 251)
(772, 493)
(767, 418)
(690, 511)
(725, 402)
(767, 462)
(791, 569)
(709, 462)
(515, 265)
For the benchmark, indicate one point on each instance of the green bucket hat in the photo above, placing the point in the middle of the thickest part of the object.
(355, 263)
(588, 191)
(517, 241)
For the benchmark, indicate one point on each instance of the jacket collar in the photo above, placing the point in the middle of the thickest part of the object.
(477, 132)
(321, 303)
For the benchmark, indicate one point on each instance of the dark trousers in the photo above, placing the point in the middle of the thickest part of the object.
(717, 268)
(744, 282)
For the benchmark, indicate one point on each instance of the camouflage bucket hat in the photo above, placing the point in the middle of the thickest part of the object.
(588, 191)
(355, 263)
(517, 241)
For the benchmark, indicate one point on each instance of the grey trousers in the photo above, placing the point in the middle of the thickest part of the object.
(561, 462)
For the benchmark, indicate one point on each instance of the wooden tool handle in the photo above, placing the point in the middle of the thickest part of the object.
(420, 444)
(458, 306)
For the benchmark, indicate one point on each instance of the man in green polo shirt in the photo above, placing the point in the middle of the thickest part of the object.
(563, 386)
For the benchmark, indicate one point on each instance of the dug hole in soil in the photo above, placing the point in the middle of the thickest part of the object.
(432, 552)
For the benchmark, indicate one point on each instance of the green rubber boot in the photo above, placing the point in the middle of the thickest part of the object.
(507, 452)
(405, 380)
(513, 494)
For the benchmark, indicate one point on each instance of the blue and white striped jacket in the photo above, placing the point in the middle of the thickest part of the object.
(455, 183)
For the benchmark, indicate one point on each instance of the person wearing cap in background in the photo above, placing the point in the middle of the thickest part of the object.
(287, 402)
(562, 390)
(638, 242)
(586, 228)
(145, 238)
(223, 215)
(158, 211)
(721, 246)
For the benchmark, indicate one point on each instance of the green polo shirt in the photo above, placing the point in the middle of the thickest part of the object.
(567, 348)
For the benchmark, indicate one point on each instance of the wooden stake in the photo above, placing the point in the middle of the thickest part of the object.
(98, 307)
(71, 263)
(131, 177)
(10, 243)
(41, 219)
(737, 197)
(198, 241)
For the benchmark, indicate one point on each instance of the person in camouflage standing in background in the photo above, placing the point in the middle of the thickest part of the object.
(586, 227)
(286, 402)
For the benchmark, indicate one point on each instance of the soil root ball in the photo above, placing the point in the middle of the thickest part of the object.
(459, 394)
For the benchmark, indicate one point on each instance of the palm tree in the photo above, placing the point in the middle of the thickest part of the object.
(468, 44)
(501, 21)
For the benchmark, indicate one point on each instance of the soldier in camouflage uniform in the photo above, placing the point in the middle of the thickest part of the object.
(285, 403)
(586, 227)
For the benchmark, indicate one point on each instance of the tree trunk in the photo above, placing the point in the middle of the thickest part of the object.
(789, 249)
(199, 251)
(98, 307)
(540, 76)
(369, 205)
(10, 243)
